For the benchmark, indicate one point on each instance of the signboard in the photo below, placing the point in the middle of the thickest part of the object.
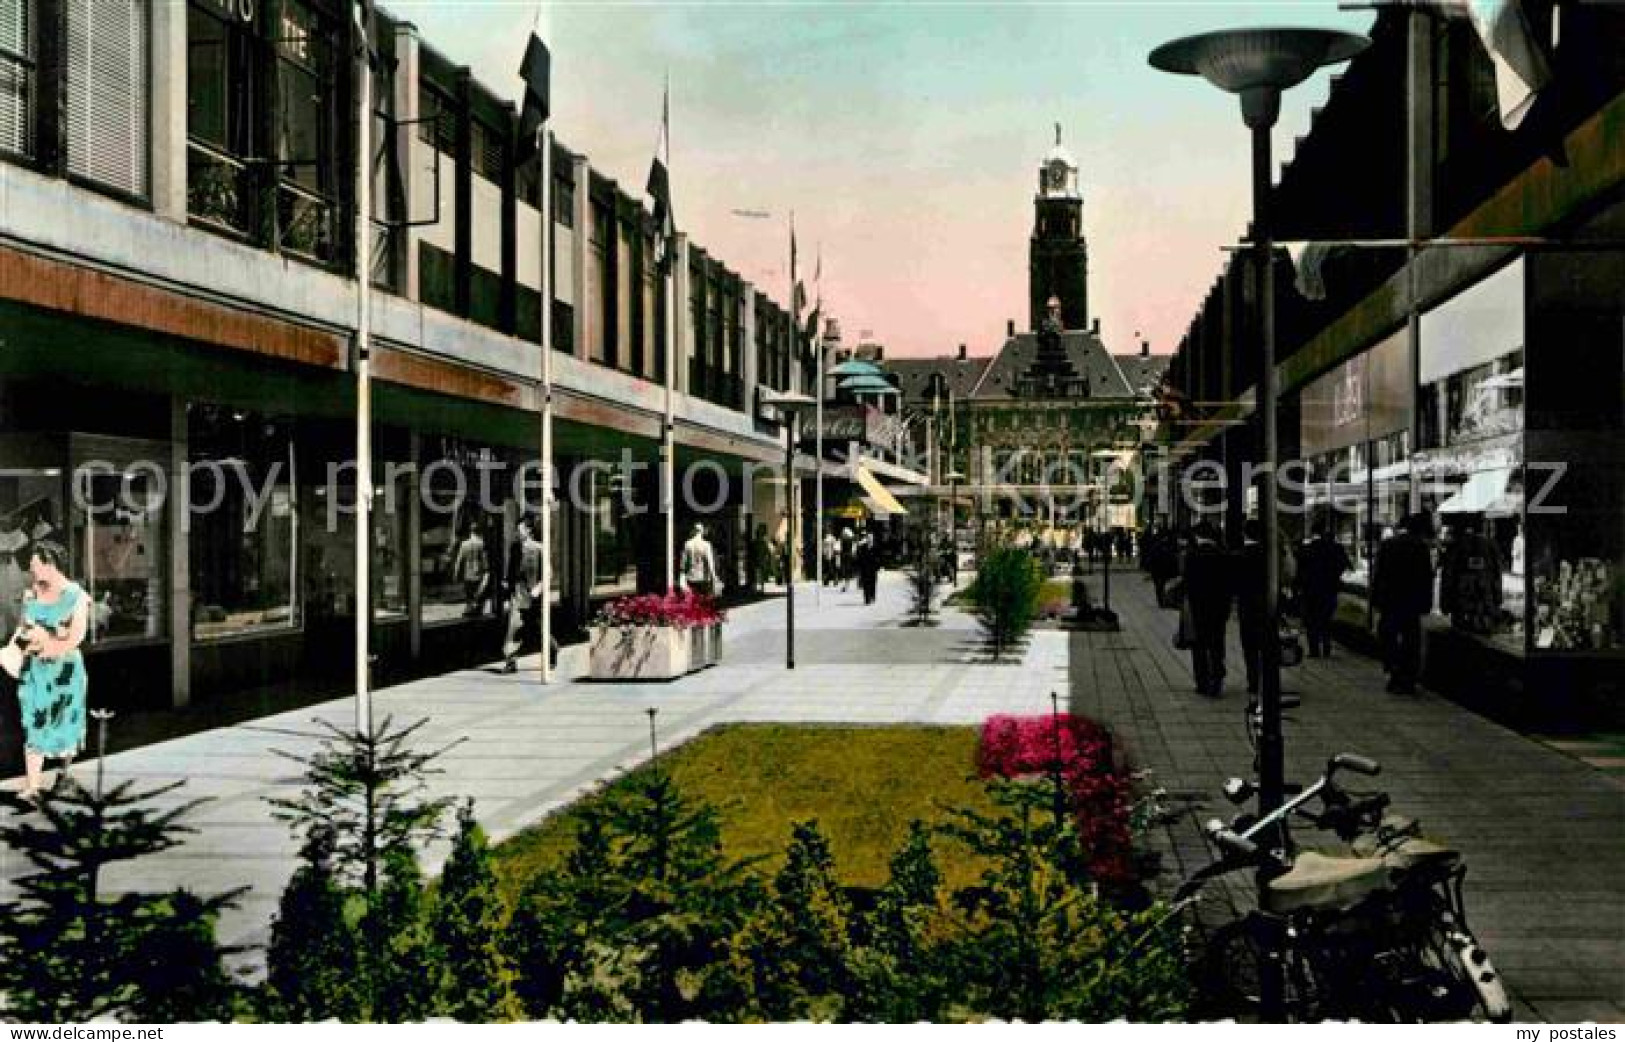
(861, 423)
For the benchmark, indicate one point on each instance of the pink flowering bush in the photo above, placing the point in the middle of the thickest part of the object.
(679, 609)
(1079, 750)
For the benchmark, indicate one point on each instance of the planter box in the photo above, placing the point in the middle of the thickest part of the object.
(652, 652)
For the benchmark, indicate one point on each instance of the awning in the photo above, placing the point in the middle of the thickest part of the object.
(875, 508)
(884, 501)
(1484, 492)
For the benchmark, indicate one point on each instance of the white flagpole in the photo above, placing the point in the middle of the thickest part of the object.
(668, 446)
(363, 390)
(545, 142)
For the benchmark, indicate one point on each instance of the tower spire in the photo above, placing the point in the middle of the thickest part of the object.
(1057, 134)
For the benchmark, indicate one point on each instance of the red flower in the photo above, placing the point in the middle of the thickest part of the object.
(1080, 751)
(678, 609)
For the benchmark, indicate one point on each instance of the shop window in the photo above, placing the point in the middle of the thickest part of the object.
(17, 77)
(244, 523)
(106, 74)
(462, 533)
(614, 530)
(31, 503)
(329, 583)
(119, 539)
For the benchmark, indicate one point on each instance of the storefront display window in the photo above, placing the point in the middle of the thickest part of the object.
(454, 509)
(30, 509)
(119, 537)
(1469, 466)
(244, 523)
(331, 562)
(614, 545)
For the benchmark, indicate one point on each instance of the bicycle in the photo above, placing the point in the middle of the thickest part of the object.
(1378, 934)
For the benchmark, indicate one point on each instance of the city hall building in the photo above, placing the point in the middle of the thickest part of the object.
(178, 306)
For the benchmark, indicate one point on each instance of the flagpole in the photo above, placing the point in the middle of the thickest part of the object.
(818, 391)
(545, 147)
(363, 390)
(668, 447)
(798, 553)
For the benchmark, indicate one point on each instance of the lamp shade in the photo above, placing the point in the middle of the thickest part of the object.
(1240, 60)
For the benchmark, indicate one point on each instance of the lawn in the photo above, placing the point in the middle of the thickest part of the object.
(863, 785)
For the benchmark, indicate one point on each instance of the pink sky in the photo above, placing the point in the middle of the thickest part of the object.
(906, 137)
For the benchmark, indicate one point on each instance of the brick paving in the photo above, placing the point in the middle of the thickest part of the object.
(527, 750)
(1543, 832)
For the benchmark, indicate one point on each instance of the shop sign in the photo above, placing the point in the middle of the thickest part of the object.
(243, 10)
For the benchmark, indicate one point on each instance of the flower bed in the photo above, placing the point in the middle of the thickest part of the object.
(1079, 751)
(656, 636)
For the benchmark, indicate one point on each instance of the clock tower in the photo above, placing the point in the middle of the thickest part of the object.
(1058, 255)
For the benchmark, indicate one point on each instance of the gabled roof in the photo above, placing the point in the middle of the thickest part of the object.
(1084, 351)
(914, 375)
(1143, 372)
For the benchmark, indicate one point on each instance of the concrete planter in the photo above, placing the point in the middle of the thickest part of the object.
(652, 652)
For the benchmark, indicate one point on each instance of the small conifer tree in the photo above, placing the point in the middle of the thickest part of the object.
(476, 976)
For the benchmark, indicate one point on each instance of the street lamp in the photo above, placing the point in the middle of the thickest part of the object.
(1258, 64)
(790, 406)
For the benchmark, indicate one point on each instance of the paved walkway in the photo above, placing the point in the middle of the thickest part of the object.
(1543, 833)
(526, 750)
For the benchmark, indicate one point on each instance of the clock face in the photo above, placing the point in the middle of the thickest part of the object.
(1055, 177)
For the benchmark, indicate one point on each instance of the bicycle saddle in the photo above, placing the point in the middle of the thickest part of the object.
(1318, 881)
(1399, 842)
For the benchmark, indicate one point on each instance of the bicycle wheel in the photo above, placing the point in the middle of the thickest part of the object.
(1470, 987)
(1231, 974)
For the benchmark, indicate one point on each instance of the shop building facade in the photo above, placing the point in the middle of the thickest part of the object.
(1478, 375)
(177, 377)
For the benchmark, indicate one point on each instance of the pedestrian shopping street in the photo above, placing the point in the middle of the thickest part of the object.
(1541, 831)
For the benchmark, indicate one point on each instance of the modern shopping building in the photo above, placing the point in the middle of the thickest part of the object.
(178, 304)
(1453, 340)
(1045, 430)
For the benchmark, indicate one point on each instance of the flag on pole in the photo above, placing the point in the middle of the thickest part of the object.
(537, 72)
(1521, 67)
(659, 186)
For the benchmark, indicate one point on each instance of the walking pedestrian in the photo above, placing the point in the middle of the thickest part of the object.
(1251, 582)
(756, 567)
(849, 543)
(831, 551)
(699, 564)
(1207, 591)
(472, 568)
(1402, 592)
(1322, 562)
(868, 565)
(524, 592)
(51, 680)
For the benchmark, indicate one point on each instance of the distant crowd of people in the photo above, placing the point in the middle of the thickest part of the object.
(1194, 571)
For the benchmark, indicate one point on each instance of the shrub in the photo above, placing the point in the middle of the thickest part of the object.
(361, 818)
(69, 952)
(922, 578)
(1004, 596)
(476, 975)
(638, 924)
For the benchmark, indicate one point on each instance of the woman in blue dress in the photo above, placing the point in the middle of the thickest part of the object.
(51, 686)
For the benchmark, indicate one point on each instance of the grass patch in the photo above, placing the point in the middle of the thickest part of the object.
(863, 784)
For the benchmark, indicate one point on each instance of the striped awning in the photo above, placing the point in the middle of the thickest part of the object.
(883, 501)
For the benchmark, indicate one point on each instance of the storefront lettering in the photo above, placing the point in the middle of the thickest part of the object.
(240, 9)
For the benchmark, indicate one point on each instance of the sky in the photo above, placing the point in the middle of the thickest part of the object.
(905, 137)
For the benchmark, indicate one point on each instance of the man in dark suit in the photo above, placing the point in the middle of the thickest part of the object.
(1322, 562)
(524, 591)
(1208, 592)
(1251, 582)
(1402, 592)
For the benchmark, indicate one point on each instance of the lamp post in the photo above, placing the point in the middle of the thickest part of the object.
(1258, 64)
(790, 406)
(953, 477)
